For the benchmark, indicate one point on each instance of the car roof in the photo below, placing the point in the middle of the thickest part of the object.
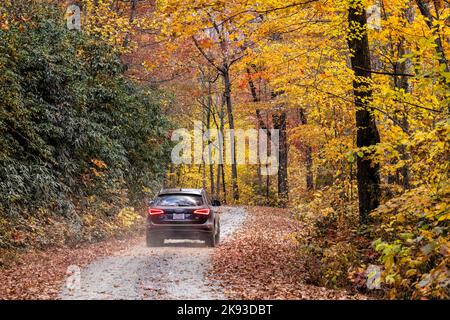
(181, 190)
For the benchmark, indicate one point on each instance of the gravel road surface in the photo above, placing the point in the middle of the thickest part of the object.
(174, 271)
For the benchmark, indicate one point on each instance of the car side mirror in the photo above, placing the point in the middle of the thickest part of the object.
(151, 202)
(216, 203)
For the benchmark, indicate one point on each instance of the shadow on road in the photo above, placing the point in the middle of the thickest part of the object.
(184, 243)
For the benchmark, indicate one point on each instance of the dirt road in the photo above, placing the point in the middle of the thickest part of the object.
(175, 271)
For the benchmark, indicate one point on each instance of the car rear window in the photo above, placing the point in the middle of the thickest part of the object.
(178, 200)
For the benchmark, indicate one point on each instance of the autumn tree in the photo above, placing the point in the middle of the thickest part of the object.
(218, 41)
(367, 133)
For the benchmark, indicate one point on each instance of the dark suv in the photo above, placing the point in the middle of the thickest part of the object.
(183, 214)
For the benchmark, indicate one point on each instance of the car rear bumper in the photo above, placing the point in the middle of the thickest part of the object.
(181, 230)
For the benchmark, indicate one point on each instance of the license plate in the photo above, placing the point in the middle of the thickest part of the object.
(178, 216)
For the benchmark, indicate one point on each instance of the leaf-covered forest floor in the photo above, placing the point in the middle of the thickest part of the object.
(261, 261)
(39, 274)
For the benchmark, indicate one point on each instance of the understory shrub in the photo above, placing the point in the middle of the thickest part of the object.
(408, 237)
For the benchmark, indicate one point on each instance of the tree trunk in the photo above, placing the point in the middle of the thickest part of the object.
(425, 11)
(267, 165)
(258, 125)
(279, 123)
(220, 168)
(133, 12)
(403, 83)
(208, 128)
(368, 175)
(258, 168)
(307, 151)
(234, 173)
(203, 165)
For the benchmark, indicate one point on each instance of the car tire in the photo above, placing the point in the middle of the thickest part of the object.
(154, 240)
(217, 236)
(210, 240)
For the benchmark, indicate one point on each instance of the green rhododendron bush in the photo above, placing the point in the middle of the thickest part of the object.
(79, 142)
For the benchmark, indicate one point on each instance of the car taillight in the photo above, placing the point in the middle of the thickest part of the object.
(202, 211)
(154, 212)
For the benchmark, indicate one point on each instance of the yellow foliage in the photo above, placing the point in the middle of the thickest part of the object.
(300, 51)
(128, 217)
